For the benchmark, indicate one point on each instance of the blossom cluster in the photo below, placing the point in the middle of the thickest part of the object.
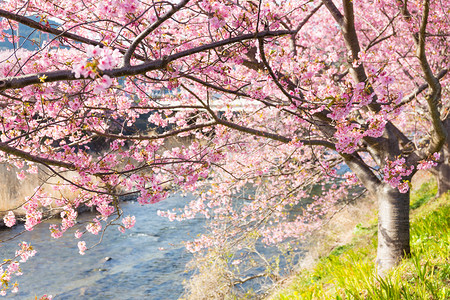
(394, 171)
(82, 247)
(68, 220)
(345, 108)
(33, 214)
(429, 163)
(94, 227)
(13, 267)
(97, 59)
(117, 8)
(128, 222)
(9, 219)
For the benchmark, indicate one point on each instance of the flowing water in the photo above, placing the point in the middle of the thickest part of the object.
(138, 269)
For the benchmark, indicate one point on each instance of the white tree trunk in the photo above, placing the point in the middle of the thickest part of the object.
(393, 227)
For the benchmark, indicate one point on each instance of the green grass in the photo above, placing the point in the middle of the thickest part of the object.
(349, 271)
(423, 194)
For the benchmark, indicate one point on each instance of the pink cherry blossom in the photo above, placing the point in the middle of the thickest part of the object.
(395, 171)
(128, 222)
(93, 51)
(82, 247)
(78, 234)
(105, 82)
(9, 219)
(94, 227)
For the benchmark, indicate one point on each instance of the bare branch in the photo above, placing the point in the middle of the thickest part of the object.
(267, 101)
(420, 41)
(377, 39)
(362, 170)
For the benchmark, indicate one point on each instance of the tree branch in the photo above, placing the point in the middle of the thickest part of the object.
(363, 171)
(420, 89)
(153, 137)
(29, 157)
(352, 42)
(267, 101)
(300, 26)
(59, 33)
(159, 64)
(334, 11)
(271, 73)
(433, 97)
(274, 136)
(150, 29)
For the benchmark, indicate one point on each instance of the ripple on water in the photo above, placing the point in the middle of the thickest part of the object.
(137, 270)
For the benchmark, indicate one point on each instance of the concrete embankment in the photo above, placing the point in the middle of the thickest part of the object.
(14, 192)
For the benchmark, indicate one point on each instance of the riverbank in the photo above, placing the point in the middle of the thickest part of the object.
(348, 271)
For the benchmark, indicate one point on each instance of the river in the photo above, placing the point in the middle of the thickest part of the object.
(138, 269)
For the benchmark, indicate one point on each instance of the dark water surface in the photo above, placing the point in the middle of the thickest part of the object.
(137, 269)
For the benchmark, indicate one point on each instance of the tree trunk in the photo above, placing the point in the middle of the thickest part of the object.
(393, 227)
(442, 171)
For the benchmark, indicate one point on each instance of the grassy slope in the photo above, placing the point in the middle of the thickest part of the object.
(348, 272)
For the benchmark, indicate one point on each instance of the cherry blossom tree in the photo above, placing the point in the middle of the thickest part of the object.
(271, 98)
